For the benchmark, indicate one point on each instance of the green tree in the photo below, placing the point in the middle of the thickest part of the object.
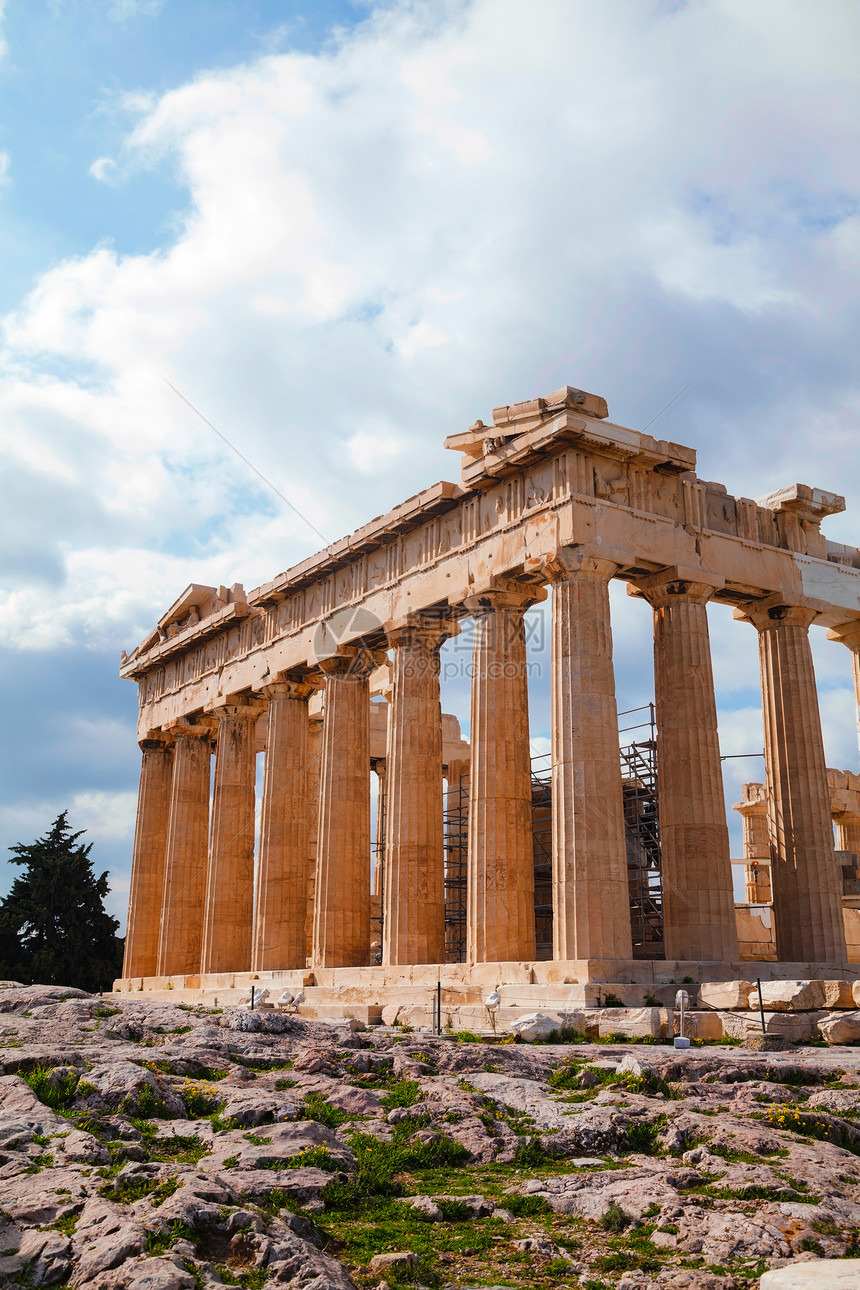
(53, 926)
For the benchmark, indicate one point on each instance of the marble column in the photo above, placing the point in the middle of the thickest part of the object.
(753, 812)
(282, 868)
(341, 934)
(500, 910)
(698, 897)
(848, 832)
(591, 903)
(413, 929)
(181, 933)
(806, 879)
(230, 879)
(849, 634)
(148, 858)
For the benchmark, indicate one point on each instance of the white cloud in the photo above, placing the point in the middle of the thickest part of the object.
(452, 208)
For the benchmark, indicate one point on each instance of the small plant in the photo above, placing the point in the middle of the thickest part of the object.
(161, 1242)
(52, 1088)
(651, 1000)
(200, 1101)
(611, 1000)
(145, 1104)
(467, 1037)
(315, 1107)
(281, 1084)
(615, 1219)
(532, 1154)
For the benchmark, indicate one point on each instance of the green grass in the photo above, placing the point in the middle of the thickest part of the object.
(307, 1158)
(315, 1107)
(161, 1242)
(379, 1165)
(130, 1190)
(404, 1093)
(182, 1150)
(262, 1063)
(57, 1093)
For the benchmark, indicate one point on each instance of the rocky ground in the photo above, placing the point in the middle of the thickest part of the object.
(146, 1146)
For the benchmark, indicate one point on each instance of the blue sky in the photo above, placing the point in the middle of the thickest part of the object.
(345, 231)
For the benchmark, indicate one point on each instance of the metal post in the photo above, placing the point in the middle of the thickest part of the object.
(760, 1003)
(252, 998)
(438, 1007)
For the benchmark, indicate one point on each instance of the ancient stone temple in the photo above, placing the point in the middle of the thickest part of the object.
(332, 671)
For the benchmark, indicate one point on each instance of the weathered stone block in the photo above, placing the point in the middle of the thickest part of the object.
(635, 1023)
(730, 995)
(536, 1025)
(841, 1028)
(707, 1026)
(814, 1274)
(792, 996)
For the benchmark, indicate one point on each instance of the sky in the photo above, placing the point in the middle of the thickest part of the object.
(346, 230)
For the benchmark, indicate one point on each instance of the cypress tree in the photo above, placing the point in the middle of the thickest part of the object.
(54, 929)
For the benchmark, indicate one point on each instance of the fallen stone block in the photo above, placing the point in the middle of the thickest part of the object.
(425, 1208)
(725, 995)
(814, 1274)
(396, 1261)
(840, 1028)
(536, 1025)
(792, 996)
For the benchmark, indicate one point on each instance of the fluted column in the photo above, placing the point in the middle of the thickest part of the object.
(849, 634)
(500, 909)
(282, 869)
(805, 877)
(148, 858)
(230, 884)
(341, 936)
(413, 928)
(847, 833)
(591, 903)
(698, 897)
(753, 812)
(181, 935)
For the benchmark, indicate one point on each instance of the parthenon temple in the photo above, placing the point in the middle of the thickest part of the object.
(390, 853)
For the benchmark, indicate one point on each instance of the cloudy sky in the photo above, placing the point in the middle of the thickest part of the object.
(344, 230)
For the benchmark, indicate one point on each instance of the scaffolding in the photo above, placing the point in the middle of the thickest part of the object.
(642, 830)
(456, 826)
(541, 765)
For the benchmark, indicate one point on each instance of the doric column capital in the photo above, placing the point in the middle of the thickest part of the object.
(198, 727)
(668, 586)
(424, 630)
(768, 615)
(577, 561)
(848, 633)
(504, 593)
(239, 707)
(352, 663)
(290, 688)
(153, 744)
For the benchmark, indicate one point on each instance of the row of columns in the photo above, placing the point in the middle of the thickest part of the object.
(204, 893)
